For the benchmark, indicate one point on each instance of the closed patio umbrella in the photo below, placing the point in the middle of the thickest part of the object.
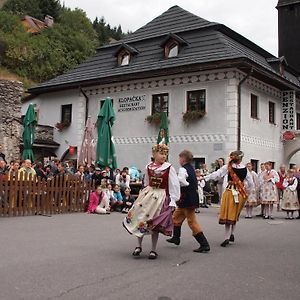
(163, 134)
(87, 154)
(106, 154)
(29, 124)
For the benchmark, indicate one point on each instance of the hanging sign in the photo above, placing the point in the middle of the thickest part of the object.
(288, 110)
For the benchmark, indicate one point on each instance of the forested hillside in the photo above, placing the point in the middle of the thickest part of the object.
(53, 50)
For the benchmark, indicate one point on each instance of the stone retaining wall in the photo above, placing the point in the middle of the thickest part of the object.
(10, 118)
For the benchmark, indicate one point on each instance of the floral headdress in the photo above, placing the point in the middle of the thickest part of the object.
(161, 148)
(236, 156)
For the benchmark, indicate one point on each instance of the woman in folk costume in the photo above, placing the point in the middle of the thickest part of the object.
(253, 193)
(268, 191)
(290, 201)
(235, 195)
(151, 213)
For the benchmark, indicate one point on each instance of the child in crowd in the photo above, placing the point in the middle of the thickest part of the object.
(201, 184)
(253, 193)
(127, 200)
(118, 199)
(110, 193)
(268, 193)
(98, 202)
(290, 201)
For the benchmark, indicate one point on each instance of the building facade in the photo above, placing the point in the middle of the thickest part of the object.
(181, 64)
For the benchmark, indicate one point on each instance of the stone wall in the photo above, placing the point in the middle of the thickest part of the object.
(10, 118)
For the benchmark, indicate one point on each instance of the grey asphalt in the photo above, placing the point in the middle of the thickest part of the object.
(80, 256)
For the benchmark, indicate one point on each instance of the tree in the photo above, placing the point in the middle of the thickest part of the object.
(21, 7)
(50, 7)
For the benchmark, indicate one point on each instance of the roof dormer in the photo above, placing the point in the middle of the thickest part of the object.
(278, 64)
(172, 45)
(124, 54)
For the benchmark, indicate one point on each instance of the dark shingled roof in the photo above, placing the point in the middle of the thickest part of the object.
(287, 2)
(207, 43)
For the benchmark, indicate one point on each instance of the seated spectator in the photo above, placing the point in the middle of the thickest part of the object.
(40, 171)
(27, 169)
(110, 193)
(80, 172)
(134, 174)
(98, 202)
(14, 169)
(127, 200)
(103, 184)
(2, 155)
(116, 172)
(3, 169)
(123, 181)
(117, 204)
(97, 176)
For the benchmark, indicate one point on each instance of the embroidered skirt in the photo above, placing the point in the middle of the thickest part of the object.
(289, 200)
(230, 211)
(150, 213)
(268, 193)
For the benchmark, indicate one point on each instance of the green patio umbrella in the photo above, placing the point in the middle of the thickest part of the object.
(106, 154)
(29, 124)
(163, 134)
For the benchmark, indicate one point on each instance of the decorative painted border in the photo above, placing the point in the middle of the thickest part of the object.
(260, 142)
(162, 82)
(203, 138)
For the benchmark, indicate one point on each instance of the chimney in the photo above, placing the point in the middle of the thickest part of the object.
(48, 20)
(289, 32)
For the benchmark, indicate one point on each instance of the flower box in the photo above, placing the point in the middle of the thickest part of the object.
(154, 119)
(62, 125)
(192, 115)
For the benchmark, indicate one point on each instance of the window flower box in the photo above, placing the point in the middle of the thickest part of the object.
(62, 125)
(154, 119)
(192, 115)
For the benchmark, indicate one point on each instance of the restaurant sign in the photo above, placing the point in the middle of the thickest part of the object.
(132, 103)
(288, 110)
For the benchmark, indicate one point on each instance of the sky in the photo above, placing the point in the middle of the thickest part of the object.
(255, 19)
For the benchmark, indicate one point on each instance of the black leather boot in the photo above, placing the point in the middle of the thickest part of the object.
(201, 239)
(175, 239)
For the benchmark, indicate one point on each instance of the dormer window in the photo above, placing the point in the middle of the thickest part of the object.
(172, 51)
(124, 54)
(172, 45)
(123, 59)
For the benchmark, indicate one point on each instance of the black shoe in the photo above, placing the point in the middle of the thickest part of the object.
(152, 255)
(225, 243)
(298, 217)
(137, 251)
(175, 239)
(204, 245)
(231, 239)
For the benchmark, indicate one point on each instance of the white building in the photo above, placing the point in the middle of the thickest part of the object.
(178, 62)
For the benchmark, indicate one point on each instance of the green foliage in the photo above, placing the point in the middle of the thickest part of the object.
(34, 8)
(105, 32)
(54, 50)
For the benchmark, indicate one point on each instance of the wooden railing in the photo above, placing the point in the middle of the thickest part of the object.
(22, 196)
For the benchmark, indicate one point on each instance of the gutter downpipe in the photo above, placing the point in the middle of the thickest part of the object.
(86, 103)
(240, 109)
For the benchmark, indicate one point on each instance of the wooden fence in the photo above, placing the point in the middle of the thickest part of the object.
(34, 196)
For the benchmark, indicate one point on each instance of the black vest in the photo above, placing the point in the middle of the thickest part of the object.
(189, 197)
(241, 173)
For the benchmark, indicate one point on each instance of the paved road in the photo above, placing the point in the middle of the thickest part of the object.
(80, 256)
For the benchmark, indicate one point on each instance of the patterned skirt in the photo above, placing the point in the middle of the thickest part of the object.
(230, 211)
(289, 200)
(268, 193)
(252, 198)
(150, 213)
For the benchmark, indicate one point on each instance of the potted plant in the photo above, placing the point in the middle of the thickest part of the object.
(154, 119)
(62, 125)
(192, 115)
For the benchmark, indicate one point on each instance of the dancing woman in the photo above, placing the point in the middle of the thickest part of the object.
(151, 213)
(235, 195)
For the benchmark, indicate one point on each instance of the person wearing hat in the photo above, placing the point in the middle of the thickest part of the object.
(96, 177)
(151, 213)
(235, 195)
